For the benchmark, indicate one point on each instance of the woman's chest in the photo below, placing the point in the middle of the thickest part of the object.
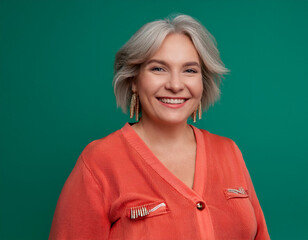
(180, 162)
(148, 199)
(182, 167)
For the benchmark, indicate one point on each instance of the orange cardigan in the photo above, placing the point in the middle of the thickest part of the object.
(119, 190)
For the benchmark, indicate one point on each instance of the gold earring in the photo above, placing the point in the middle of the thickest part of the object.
(137, 108)
(194, 115)
(200, 111)
(134, 106)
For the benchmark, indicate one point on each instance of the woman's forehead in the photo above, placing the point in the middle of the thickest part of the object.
(176, 48)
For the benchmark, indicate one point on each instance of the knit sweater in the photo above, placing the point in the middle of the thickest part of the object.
(118, 189)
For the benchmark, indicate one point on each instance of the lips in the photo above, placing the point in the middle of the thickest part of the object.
(172, 100)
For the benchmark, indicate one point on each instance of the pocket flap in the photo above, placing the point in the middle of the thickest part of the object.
(147, 210)
(236, 192)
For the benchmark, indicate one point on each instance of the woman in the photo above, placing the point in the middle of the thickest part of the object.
(161, 178)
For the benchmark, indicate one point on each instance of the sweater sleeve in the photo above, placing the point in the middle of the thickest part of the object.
(80, 211)
(262, 232)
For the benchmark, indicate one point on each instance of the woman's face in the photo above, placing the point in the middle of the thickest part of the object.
(170, 82)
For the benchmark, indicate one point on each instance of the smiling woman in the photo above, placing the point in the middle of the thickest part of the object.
(159, 177)
(169, 84)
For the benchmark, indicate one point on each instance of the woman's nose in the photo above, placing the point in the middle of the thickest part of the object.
(174, 83)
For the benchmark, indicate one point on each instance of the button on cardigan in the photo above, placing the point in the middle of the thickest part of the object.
(118, 189)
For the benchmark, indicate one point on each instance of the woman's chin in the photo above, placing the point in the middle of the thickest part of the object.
(172, 120)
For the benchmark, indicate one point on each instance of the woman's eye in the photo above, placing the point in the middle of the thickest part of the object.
(157, 69)
(191, 71)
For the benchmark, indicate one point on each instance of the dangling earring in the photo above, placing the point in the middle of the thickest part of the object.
(134, 106)
(194, 115)
(137, 108)
(200, 111)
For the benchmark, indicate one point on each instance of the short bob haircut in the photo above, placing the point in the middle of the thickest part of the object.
(147, 40)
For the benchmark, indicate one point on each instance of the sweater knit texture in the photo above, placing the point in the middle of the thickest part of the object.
(118, 189)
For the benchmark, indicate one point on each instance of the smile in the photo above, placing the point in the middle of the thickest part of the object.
(172, 100)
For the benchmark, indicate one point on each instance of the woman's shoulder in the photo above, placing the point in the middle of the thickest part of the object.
(104, 147)
(224, 147)
(215, 138)
(221, 144)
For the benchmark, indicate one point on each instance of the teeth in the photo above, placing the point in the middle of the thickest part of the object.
(171, 100)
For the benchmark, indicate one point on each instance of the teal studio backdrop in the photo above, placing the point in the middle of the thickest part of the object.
(56, 96)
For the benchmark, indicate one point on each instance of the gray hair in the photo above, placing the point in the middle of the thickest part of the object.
(146, 41)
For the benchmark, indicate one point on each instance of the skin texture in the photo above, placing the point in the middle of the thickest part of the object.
(173, 72)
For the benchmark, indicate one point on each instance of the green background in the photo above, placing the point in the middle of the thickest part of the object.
(56, 96)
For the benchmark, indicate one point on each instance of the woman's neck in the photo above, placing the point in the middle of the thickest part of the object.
(153, 133)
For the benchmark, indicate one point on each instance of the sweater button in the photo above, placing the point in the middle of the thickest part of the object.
(200, 205)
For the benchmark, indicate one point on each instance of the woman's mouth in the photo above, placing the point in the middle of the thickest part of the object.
(172, 100)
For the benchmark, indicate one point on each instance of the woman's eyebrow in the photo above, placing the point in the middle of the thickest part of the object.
(156, 61)
(187, 64)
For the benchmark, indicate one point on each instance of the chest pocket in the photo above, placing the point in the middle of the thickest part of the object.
(140, 217)
(240, 214)
(147, 210)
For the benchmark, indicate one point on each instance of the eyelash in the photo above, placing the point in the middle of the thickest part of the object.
(191, 70)
(160, 69)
